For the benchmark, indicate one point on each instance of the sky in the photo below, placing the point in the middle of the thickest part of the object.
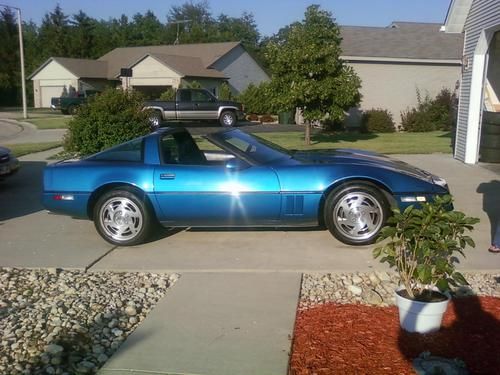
(270, 15)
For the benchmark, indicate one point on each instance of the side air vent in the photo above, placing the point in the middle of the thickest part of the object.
(294, 205)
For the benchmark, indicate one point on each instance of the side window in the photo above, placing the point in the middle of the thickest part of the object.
(169, 150)
(201, 96)
(180, 148)
(185, 95)
(128, 152)
(242, 145)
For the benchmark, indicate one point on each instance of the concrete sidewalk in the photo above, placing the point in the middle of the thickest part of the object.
(15, 132)
(215, 324)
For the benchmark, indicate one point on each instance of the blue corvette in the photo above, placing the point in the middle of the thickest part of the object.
(165, 178)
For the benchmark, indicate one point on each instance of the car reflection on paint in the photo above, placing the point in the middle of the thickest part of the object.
(248, 182)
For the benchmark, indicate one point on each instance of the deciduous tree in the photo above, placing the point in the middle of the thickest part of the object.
(307, 71)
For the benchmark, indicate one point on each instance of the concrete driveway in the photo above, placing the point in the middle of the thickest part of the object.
(32, 238)
(233, 310)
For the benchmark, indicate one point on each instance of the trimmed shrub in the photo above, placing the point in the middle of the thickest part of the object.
(191, 85)
(430, 114)
(107, 119)
(168, 95)
(442, 110)
(225, 92)
(256, 99)
(377, 121)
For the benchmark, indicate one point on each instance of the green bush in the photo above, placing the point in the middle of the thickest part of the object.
(168, 94)
(191, 85)
(110, 118)
(256, 99)
(430, 114)
(225, 92)
(377, 121)
(442, 110)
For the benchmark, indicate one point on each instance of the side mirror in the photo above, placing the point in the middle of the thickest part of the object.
(236, 164)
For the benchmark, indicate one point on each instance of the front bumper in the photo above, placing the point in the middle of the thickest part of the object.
(240, 115)
(9, 168)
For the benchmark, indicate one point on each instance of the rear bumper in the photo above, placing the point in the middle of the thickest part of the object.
(66, 203)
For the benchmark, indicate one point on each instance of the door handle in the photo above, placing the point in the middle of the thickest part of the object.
(167, 176)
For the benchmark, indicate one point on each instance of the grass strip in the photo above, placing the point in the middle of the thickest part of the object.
(30, 148)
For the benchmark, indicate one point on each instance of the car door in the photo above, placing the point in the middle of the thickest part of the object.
(205, 106)
(184, 104)
(191, 192)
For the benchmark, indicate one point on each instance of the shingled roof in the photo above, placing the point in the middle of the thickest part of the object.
(207, 53)
(184, 65)
(82, 68)
(401, 40)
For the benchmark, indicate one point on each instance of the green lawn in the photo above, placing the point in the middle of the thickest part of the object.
(29, 148)
(387, 143)
(59, 122)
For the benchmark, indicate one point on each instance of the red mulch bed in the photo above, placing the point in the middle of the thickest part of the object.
(358, 339)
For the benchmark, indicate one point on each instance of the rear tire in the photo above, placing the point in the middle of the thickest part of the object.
(356, 213)
(122, 218)
(227, 118)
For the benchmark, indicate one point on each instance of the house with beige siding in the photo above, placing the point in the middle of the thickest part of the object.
(60, 75)
(154, 69)
(396, 61)
(478, 122)
(393, 63)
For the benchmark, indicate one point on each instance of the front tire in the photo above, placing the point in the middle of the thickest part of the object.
(122, 218)
(155, 120)
(71, 109)
(356, 213)
(227, 118)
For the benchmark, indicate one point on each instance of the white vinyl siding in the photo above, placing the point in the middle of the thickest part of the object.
(483, 15)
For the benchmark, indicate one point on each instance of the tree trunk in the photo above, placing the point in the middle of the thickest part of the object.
(308, 133)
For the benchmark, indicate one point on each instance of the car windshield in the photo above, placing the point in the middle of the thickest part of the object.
(252, 147)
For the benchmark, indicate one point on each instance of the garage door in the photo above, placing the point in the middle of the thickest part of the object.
(48, 92)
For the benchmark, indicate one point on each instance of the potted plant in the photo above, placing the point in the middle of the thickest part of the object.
(423, 244)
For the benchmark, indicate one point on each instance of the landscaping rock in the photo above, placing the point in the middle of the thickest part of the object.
(65, 322)
(377, 288)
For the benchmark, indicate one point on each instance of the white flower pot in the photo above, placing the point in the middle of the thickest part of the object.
(421, 317)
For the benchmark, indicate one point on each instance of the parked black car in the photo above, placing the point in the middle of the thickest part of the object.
(69, 104)
(8, 163)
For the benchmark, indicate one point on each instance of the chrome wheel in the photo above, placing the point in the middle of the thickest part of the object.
(121, 219)
(358, 216)
(227, 119)
(154, 121)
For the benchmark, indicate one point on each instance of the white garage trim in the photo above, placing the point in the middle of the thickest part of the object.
(48, 92)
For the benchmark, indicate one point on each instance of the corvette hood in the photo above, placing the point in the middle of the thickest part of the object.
(361, 157)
